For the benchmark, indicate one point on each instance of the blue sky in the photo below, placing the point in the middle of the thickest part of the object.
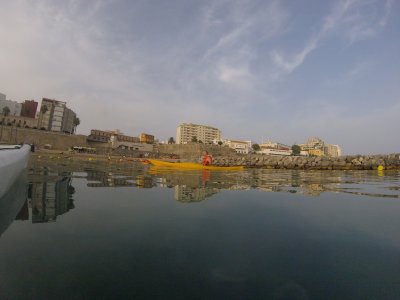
(279, 70)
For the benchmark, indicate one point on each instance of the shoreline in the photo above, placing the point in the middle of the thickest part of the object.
(354, 162)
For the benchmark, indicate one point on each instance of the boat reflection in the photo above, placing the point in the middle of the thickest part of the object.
(12, 202)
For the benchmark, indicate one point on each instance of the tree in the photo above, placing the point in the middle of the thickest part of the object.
(43, 110)
(77, 121)
(296, 149)
(6, 111)
(194, 139)
(171, 140)
(220, 143)
(200, 142)
(256, 147)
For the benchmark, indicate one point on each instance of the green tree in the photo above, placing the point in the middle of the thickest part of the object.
(171, 140)
(194, 139)
(220, 143)
(296, 149)
(43, 110)
(76, 123)
(256, 147)
(6, 111)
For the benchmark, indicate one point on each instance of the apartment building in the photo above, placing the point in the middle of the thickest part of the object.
(146, 138)
(29, 108)
(186, 132)
(332, 150)
(242, 147)
(272, 148)
(58, 116)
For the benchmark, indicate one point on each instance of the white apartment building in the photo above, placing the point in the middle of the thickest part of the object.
(14, 106)
(271, 148)
(186, 131)
(242, 147)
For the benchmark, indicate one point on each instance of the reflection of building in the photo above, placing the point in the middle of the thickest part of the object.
(51, 199)
(184, 193)
(143, 181)
(105, 179)
(185, 133)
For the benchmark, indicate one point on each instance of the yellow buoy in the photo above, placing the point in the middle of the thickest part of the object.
(380, 168)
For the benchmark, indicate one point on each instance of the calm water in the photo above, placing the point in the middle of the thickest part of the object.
(101, 231)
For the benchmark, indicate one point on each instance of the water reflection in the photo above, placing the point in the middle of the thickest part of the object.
(12, 202)
(50, 198)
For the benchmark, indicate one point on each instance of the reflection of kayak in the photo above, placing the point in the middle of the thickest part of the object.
(13, 160)
(190, 166)
(12, 201)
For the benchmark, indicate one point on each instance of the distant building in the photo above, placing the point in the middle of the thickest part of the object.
(14, 106)
(271, 148)
(332, 150)
(186, 132)
(242, 147)
(317, 147)
(20, 121)
(29, 108)
(146, 138)
(118, 140)
(117, 143)
(2, 97)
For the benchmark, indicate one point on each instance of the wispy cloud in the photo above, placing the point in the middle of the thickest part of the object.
(356, 19)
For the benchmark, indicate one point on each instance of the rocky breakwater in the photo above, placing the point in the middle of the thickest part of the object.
(356, 162)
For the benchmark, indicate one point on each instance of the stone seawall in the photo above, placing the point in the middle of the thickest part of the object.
(367, 162)
(58, 141)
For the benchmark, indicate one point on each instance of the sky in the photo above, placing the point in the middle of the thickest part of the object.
(257, 70)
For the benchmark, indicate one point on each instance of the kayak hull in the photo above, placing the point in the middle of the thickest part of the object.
(191, 166)
(13, 160)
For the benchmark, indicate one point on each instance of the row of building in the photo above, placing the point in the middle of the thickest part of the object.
(187, 133)
(53, 115)
(117, 140)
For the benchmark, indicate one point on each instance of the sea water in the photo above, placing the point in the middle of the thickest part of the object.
(115, 231)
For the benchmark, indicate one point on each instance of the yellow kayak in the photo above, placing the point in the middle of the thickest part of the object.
(190, 166)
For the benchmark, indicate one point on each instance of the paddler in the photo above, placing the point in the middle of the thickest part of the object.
(207, 159)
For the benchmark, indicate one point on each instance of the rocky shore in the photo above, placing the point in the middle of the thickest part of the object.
(356, 162)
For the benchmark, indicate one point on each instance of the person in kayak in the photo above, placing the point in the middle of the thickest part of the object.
(207, 159)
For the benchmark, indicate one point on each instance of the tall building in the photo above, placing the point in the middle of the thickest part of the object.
(186, 132)
(29, 108)
(58, 116)
(2, 97)
(13, 106)
(68, 120)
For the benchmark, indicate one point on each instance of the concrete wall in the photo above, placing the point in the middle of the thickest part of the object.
(59, 141)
